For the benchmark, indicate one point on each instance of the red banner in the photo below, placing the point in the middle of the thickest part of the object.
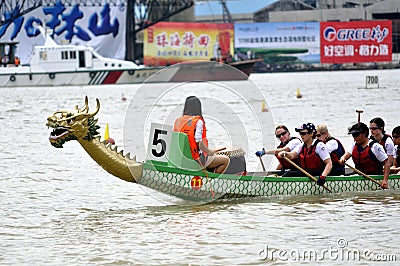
(356, 41)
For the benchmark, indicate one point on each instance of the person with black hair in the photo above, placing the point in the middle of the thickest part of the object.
(396, 154)
(287, 143)
(377, 129)
(313, 154)
(193, 125)
(368, 156)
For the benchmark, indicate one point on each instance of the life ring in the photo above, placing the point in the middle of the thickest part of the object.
(12, 78)
(92, 74)
(52, 75)
(131, 72)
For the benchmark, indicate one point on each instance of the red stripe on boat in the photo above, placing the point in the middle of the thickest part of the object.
(112, 77)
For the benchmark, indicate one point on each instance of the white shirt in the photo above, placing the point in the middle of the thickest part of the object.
(293, 143)
(395, 151)
(377, 150)
(332, 145)
(389, 146)
(321, 150)
(198, 134)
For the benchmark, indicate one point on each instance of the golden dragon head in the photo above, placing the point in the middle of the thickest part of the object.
(78, 124)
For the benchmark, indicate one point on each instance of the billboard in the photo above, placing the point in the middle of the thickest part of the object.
(356, 41)
(168, 43)
(279, 42)
(101, 27)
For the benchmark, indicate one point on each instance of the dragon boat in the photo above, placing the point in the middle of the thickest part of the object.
(171, 170)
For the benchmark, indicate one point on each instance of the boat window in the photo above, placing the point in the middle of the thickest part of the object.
(112, 65)
(72, 54)
(64, 55)
(43, 55)
(119, 65)
(82, 61)
(105, 64)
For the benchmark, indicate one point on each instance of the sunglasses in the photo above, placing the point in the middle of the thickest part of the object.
(355, 135)
(281, 135)
(395, 137)
(318, 135)
(303, 133)
(374, 128)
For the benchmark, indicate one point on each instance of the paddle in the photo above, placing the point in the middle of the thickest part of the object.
(262, 164)
(305, 172)
(220, 149)
(365, 175)
(359, 115)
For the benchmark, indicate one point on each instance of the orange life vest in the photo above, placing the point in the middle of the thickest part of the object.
(187, 124)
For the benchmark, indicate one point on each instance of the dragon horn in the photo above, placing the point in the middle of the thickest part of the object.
(97, 108)
(85, 115)
(85, 108)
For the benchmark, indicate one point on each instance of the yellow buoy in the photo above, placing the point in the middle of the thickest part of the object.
(106, 133)
(264, 106)
(298, 93)
(107, 136)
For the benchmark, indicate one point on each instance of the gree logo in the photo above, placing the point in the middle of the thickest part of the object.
(361, 34)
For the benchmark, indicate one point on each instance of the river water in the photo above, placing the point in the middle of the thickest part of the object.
(58, 207)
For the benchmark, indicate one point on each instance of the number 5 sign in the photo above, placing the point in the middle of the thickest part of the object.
(159, 142)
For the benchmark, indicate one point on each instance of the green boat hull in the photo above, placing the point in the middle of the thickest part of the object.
(202, 186)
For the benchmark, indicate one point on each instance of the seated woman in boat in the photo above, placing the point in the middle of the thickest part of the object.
(313, 155)
(288, 143)
(193, 125)
(368, 155)
(395, 169)
(334, 146)
(377, 129)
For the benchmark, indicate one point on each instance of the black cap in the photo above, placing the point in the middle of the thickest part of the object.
(358, 128)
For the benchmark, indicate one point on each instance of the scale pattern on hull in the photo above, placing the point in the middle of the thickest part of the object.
(231, 186)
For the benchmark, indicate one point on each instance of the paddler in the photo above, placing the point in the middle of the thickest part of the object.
(377, 129)
(335, 148)
(368, 155)
(287, 143)
(313, 155)
(396, 157)
(193, 125)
